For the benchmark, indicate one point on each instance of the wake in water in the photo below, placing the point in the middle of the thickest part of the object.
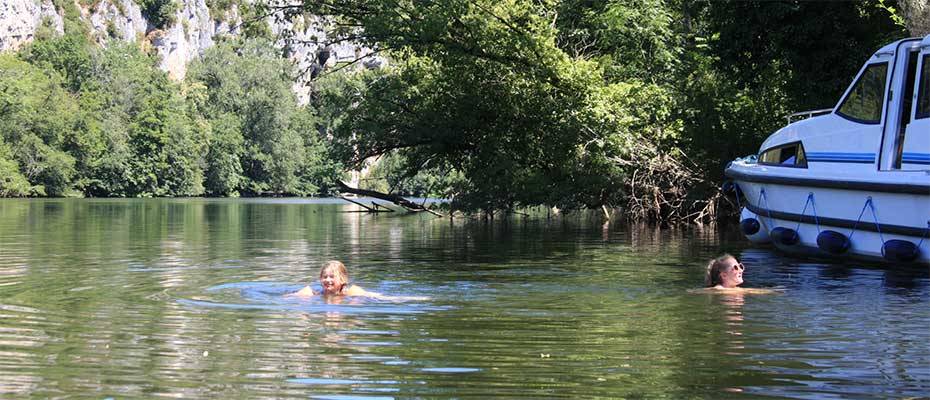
(274, 296)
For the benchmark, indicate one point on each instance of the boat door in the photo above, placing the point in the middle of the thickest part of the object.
(907, 132)
(915, 152)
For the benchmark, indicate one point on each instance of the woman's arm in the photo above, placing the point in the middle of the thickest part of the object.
(358, 291)
(305, 292)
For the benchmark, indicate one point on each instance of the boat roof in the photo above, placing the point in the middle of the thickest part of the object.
(891, 47)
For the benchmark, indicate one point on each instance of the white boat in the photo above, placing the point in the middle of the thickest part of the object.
(854, 180)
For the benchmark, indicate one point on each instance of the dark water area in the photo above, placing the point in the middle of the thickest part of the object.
(184, 298)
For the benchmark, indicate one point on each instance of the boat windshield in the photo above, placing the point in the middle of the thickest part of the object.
(864, 102)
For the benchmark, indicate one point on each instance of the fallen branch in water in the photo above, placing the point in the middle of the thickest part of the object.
(393, 198)
(369, 209)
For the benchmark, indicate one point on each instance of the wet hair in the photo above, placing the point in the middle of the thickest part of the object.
(714, 268)
(339, 272)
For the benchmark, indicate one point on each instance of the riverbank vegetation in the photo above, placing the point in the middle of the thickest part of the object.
(497, 105)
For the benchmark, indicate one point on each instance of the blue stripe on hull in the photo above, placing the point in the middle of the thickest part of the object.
(859, 158)
(916, 158)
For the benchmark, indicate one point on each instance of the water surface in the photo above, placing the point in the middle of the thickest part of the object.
(182, 298)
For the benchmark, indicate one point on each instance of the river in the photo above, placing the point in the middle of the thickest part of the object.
(182, 298)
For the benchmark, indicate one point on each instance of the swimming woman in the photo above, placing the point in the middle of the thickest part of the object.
(334, 279)
(725, 274)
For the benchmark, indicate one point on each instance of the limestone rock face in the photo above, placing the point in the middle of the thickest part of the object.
(19, 20)
(119, 19)
(305, 41)
(194, 30)
(191, 34)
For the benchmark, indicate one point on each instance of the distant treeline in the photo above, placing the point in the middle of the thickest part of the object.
(77, 119)
(497, 105)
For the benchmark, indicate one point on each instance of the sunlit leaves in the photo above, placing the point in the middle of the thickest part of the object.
(260, 141)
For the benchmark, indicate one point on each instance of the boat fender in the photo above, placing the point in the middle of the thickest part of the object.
(900, 250)
(833, 242)
(749, 226)
(761, 235)
(785, 236)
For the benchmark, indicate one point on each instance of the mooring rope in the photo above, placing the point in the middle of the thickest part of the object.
(868, 204)
(926, 232)
(810, 200)
(767, 210)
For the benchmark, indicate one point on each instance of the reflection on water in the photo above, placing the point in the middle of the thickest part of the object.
(184, 298)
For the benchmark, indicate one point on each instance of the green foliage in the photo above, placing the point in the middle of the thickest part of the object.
(68, 55)
(570, 103)
(160, 13)
(495, 104)
(12, 182)
(892, 12)
(841, 35)
(629, 39)
(150, 146)
(247, 99)
(482, 89)
(218, 7)
(254, 25)
(390, 175)
(35, 115)
(71, 16)
(224, 168)
(107, 122)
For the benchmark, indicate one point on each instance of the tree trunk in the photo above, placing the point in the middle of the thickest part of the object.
(916, 14)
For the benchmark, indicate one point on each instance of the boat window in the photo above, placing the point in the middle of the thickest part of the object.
(864, 101)
(923, 96)
(789, 155)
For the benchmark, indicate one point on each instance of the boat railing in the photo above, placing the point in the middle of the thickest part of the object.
(808, 114)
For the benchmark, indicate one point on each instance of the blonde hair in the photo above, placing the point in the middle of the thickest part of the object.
(714, 268)
(339, 272)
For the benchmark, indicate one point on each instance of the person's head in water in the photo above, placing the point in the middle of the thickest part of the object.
(725, 272)
(333, 277)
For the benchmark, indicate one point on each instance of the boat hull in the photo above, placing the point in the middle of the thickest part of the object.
(885, 220)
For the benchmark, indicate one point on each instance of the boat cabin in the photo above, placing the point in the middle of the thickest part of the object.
(881, 123)
(852, 180)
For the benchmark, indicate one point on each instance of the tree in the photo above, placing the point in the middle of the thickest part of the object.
(35, 115)
(69, 55)
(12, 182)
(915, 15)
(149, 146)
(482, 88)
(261, 142)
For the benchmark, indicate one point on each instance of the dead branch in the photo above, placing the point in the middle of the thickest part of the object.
(400, 201)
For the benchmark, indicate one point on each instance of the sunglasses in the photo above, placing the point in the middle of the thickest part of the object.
(739, 266)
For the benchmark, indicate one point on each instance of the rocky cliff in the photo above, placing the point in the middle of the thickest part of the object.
(193, 30)
(19, 20)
